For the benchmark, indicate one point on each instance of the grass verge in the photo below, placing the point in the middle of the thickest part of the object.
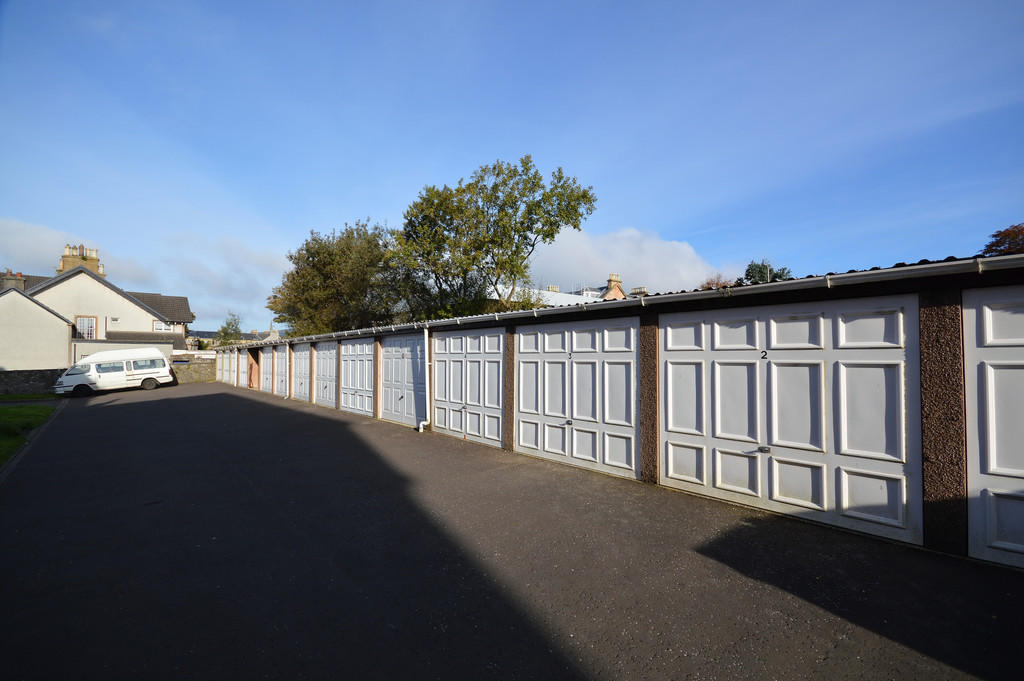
(25, 397)
(16, 421)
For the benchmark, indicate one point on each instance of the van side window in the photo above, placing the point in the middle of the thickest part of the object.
(141, 364)
(109, 367)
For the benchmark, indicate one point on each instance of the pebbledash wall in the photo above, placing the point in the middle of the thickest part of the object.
(883, 401)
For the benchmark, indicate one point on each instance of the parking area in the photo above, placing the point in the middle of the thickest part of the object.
(204, 531)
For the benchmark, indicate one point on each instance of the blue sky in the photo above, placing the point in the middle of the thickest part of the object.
(196, 143)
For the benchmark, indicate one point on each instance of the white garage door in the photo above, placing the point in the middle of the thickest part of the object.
(267, 369)
(811, 410)
(300, 372)
(357, 375)
(994, 377)
(232, 359)
(468, 384)
(281, 371)
(327, 373)
(403, 379)
(576, 388)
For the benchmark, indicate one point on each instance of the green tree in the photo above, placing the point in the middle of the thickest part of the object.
(473, 241)
(1006, 241)
(230, 330)
(762, 272)
(337, 281)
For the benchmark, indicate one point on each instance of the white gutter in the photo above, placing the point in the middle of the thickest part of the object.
(975, 265)
(426, 377)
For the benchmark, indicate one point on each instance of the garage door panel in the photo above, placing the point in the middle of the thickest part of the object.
(555, 389)
(326, 359)
(581, 377)
(300, 372)
(797, 404)
(799, 483)
(684, 397)
(474, 376)
(1003, 324)
(469, 366)
(529, 434)
(618, 393)
(357, 357)
(736, 334)
(618, 339)
(585, 391)
(1005, 520)
(585, 444)
(281, 381)
(871, 417)
(618, 451)
(796, 332)
(267, 369)
(872, 496)
(737, 471)
(492, 383)
(737, 401)
(685, 462)
(870, 329)
(684, 336)
(761, 413)
(1004, 397)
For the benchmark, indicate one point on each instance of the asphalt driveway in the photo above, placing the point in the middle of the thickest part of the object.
(208, 532)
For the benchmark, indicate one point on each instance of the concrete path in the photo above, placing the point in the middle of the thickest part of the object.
(206, 532)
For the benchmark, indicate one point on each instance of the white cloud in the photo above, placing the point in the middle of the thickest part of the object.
(640, 258)
(215, 274)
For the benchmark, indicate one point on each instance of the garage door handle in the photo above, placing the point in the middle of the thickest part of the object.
(569, 422)
(764, 449)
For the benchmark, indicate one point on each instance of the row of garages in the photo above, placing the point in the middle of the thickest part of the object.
(811, 409)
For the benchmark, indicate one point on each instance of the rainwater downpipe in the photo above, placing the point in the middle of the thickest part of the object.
(426, 377)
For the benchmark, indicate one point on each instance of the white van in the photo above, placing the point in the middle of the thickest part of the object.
(111, 369)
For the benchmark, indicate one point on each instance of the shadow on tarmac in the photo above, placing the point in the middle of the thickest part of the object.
(141, 542)
(960, 612)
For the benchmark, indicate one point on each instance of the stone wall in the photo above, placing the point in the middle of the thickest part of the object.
(28, 381)
(196, 370)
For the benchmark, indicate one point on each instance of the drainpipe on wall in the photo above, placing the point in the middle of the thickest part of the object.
(426, 377)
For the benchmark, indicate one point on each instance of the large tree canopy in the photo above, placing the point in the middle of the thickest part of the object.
(474, 241)
(337, 281)
(1006, 241)
(230, 330)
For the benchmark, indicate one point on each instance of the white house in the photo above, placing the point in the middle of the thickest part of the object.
(32, 335)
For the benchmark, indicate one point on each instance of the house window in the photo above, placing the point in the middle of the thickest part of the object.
(161, 326)
(85, 327)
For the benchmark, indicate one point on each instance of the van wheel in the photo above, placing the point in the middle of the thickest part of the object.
(149, 384)
(81, 390)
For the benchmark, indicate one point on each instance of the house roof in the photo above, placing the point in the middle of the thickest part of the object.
(174, 308)
(50, 283)
(28, 297)
(33, 280)
(176, 339)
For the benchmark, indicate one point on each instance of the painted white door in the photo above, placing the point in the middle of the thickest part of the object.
(357, 375)
(232, 358)
(327, 373)
(467, 380)
(809, 409)
(300, 372)
(267, 369)
(994, 377)
(403, 379)
(220, 367)
(576, 389)
(281, 371)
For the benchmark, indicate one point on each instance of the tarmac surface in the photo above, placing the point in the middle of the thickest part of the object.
(208, 532)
